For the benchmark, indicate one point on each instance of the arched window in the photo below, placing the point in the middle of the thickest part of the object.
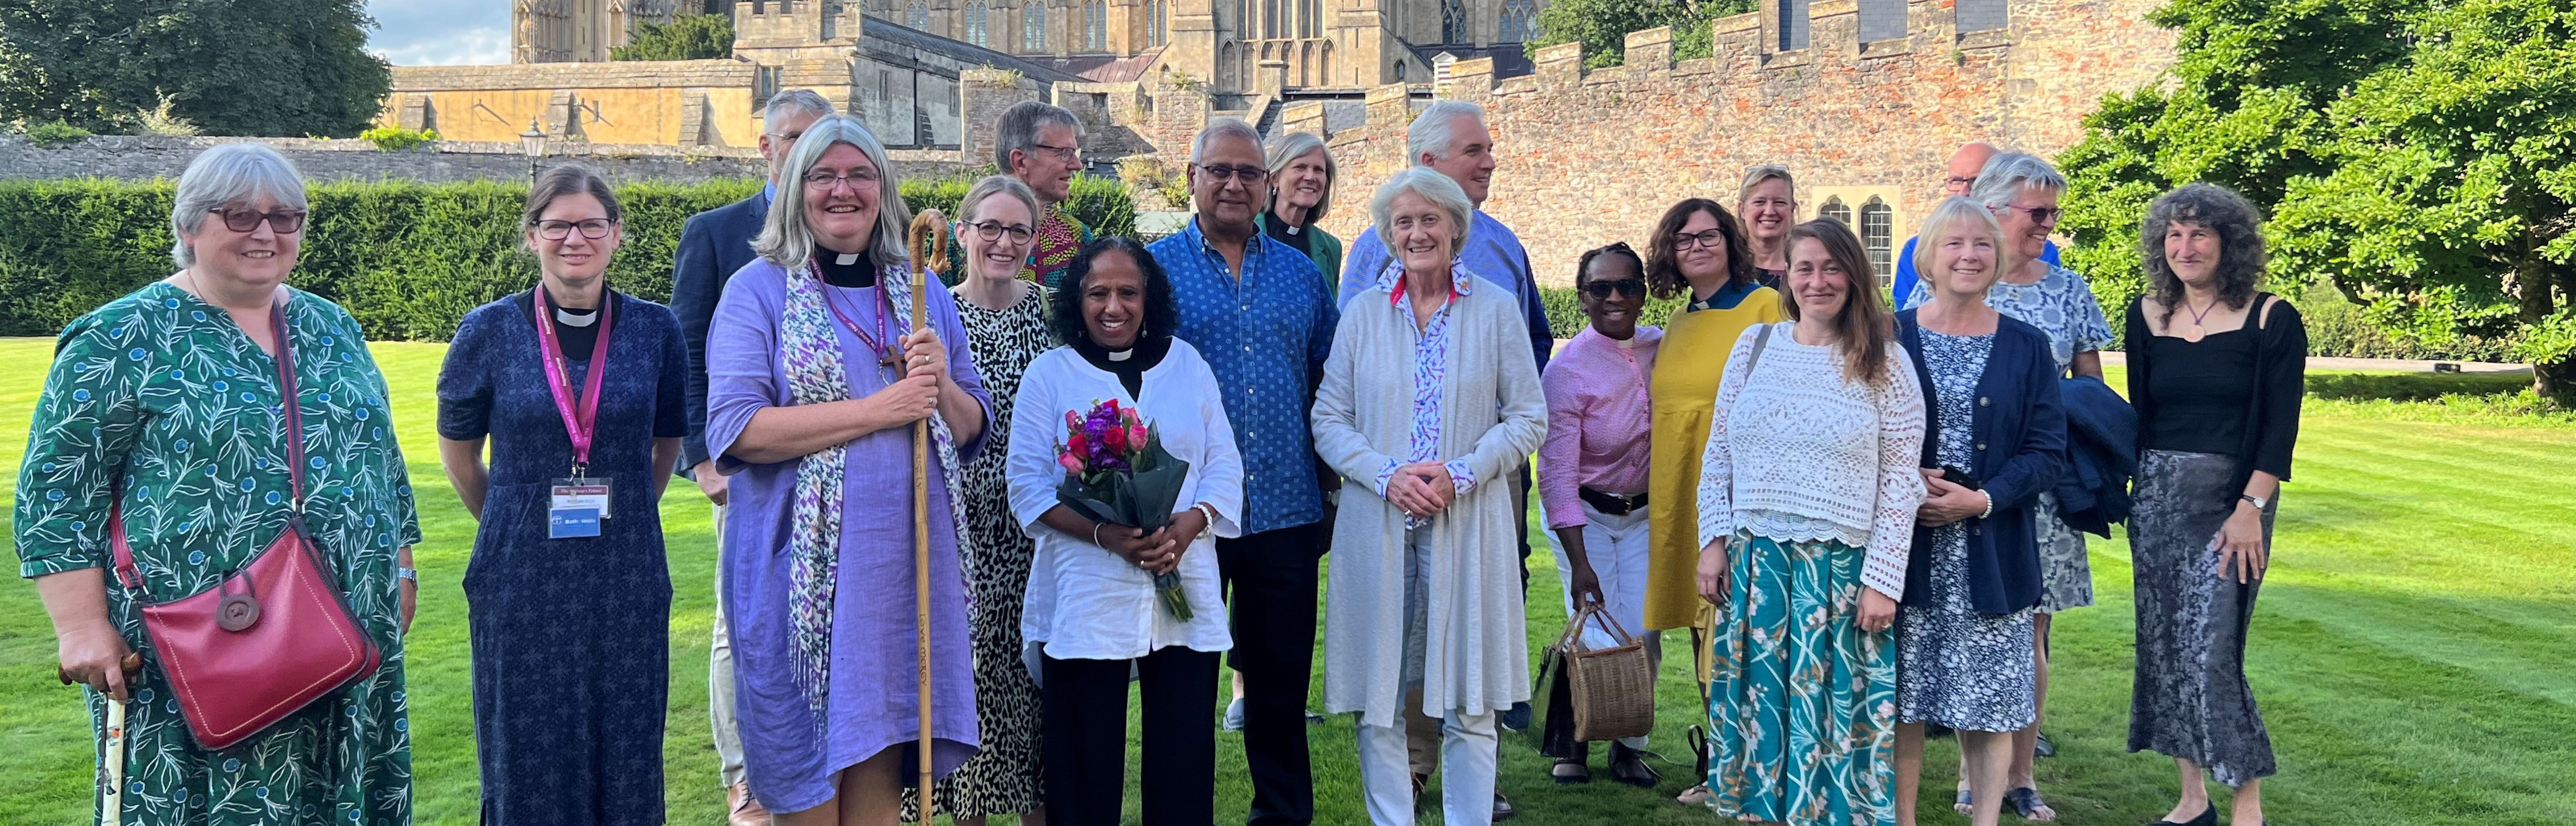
(917, 15)
(1878, 235)
(1095, 25)
(976, 31)
(1519, 23)
(1033, 27)
(1453, 22)
(1835, 208)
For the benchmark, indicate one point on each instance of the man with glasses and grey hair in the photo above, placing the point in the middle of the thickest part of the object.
(1258, 311)
(1041, 145)
(1961, 177)
(713, 244)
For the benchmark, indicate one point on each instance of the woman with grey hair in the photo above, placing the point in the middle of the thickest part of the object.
(1301, 194)
(2216, 371)
(814, 384)
(1006, 328)
(2022, 191)
(158, 451)
(1425, 580)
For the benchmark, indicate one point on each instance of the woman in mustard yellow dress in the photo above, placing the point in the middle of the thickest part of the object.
(1699, 248)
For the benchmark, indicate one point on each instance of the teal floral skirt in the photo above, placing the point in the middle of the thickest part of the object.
(1802, 703)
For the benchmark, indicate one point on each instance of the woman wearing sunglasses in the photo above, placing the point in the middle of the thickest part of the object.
(581, 391)
(1592, 470)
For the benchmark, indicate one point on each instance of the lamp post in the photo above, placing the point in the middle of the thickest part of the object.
(533, 143)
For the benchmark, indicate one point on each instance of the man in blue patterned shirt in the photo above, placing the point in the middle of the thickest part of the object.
(1257, 310)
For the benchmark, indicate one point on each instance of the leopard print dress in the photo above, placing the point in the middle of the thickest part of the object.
(1004, 776)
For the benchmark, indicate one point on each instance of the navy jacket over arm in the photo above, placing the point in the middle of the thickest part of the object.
(713, 244)
(2102, 449)
(2020, 430)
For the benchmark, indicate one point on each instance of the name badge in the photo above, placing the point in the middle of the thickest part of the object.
(579, 505)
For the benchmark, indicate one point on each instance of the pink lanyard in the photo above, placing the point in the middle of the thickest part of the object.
(580, 421)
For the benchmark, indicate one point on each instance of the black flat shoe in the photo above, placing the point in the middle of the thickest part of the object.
(1628, 766)
(1580, 774)
(2208, 817)
(1502, 807)
(2044, 747)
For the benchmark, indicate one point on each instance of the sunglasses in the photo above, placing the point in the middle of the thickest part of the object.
(284, 221)
(2040, 215)
(1629, 287)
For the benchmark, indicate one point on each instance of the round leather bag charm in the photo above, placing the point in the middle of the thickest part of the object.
(237, 612)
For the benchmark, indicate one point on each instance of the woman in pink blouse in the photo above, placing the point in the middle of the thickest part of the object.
(1592, 469)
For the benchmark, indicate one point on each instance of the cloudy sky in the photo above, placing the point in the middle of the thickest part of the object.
(440, 32)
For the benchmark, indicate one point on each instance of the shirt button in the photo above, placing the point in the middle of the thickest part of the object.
(1982, 401)
(1981, 445)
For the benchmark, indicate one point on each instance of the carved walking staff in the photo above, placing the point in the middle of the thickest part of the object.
(929, 242)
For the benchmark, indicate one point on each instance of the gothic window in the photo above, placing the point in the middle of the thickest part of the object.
(1834, 208)
(1453, 22)
(917, 15)
(1033, 27)
(1269, 18)
(1310, 16)
(1158, 22)
(1520, 22)
(1878, 235)
(976, 31)
(1095, 25)
(1793, 24)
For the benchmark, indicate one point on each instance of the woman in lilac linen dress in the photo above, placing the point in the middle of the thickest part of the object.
(815, 429)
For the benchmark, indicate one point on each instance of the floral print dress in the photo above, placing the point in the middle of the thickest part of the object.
(158, 398)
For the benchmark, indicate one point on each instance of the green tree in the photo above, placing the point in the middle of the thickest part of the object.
(232, 67)
(687, 37)
(2417, 155)
(1602, 26)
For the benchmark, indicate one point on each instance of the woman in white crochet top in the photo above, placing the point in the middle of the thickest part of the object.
(1807, 498)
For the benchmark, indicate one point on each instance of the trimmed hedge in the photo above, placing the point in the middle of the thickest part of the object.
(407, 259)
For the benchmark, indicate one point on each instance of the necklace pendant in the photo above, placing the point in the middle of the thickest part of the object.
(2194, 332)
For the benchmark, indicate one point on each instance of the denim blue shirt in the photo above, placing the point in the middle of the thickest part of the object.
(1265, 336)
(1492, 253)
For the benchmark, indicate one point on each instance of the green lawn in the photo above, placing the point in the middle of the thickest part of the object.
(2415, 657)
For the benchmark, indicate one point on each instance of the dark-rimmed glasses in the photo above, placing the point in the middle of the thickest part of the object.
(1629, 287)
(1702, 238)
(1249, 175)
(284, 221)
(994, 230)
(858, 179)
(593, 229)
(2038, 215)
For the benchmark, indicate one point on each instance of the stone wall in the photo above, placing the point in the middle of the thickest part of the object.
(1590, 158)
(146, 158)
(674, 103)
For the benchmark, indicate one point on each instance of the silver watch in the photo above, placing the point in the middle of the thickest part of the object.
(2259, 502)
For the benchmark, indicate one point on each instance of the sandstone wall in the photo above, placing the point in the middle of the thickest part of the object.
(146, 158)
(1590, 158)
(673, 103)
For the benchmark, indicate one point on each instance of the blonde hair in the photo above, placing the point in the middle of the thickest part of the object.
(1755, 176)
(1951, 212)
(1288, 148)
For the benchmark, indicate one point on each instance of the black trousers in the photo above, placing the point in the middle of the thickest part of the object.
(1271, 580)
(1085, 712)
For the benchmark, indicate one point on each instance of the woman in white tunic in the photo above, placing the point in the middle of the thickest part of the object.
(1428, 405)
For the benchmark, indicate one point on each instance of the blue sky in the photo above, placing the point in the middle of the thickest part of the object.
(440, 32)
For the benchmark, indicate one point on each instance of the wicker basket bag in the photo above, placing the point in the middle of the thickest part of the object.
(1612, 688)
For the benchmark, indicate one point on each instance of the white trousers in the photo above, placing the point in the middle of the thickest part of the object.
(720, 676)
(1467, 770)
(1618, 548)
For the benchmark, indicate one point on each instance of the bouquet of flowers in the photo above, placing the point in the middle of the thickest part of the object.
(1117, 472)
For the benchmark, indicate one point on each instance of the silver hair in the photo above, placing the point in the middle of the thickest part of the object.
(1294, 145)
(1018, 130)
(1432, 186)
(969, 208)
(228, 175)
(1429, 133)
(1951, 212)
(792, 101)
(2006, 174)
(1223, 127)
(786, 240)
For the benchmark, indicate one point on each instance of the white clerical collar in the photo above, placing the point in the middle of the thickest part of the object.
(846, 259)
(571, 319)
(1123, 355)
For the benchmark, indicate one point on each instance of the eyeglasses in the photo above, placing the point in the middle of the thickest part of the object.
(858, 179)
(1629, 287)
(593, 229)
(1702, 238)
(1067, 154)
(284, 221)
(2039, 215)
(1249, 175)
(994, 230)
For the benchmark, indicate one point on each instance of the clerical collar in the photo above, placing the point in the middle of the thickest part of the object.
(846, 269)
(571, 317)
(1123, 355)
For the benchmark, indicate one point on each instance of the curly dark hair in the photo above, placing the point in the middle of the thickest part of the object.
(1583, 267)
(1162, 310)
(1663, 270)
(2239, 225)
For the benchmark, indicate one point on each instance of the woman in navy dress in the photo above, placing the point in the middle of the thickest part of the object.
(571, 634)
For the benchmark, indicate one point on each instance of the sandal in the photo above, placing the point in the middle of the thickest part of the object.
(1963, 803)
(1628, 766)
(1694, 796)
(1580, 773)
(2025, 801)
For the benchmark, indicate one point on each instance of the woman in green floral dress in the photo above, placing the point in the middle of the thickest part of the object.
(166, 401)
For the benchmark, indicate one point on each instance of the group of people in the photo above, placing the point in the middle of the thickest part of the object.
(1865, 516)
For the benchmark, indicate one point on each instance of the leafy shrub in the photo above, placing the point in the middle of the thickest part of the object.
(687, 37)
(55, 133)
(160, 121)
(408, 259)
(398, 139)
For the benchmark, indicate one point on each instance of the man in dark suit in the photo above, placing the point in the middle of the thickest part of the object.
(714, 244)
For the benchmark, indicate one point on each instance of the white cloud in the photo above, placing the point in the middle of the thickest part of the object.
(441, 32)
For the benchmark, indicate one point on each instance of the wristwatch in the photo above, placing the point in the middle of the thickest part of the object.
(2259, 502)
(412, 574)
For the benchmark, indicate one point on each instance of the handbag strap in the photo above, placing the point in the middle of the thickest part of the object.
(293, 416)
(1588, 611)
(1761, 340)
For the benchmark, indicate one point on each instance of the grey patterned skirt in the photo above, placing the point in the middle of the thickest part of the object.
(2190, 699)
(2065, 573)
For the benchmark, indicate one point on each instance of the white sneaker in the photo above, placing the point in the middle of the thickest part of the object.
(1234, 715)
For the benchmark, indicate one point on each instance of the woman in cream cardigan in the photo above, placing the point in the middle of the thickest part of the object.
(1425, 538)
